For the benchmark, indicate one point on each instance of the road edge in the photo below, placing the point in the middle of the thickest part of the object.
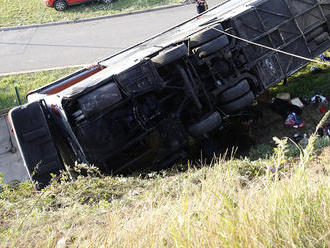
(3, 29)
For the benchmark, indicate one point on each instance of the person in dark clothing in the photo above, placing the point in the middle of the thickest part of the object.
(201, 6)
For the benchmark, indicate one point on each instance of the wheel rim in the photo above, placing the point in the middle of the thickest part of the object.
(60, 5)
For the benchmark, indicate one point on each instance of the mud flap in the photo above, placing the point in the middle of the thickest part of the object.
(39, 152)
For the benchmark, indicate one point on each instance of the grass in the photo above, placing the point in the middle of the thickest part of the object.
(25, 83)
(231, 203)
(305, 84)
(24, 12)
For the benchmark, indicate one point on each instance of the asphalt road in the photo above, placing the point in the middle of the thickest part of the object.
(84, 43)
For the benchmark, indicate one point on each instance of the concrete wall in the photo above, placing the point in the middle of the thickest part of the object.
(11, 163)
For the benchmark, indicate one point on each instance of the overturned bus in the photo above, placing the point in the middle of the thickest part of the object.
(144, 106)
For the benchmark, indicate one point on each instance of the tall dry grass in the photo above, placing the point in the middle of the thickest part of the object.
(279, 202)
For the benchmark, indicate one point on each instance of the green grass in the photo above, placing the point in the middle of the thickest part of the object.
(231, 203)
(306, 84)
(23, 12)
(25, 83)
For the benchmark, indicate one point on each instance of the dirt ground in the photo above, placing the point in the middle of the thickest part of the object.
(271, 124)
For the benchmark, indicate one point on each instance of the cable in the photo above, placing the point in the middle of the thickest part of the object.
(271, 48)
